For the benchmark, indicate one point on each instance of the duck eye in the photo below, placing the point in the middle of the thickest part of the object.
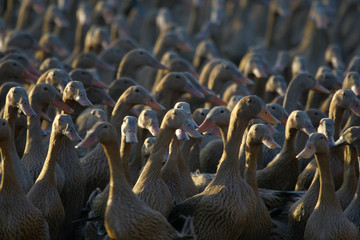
(272, 107)
(177, 76)
(141, 53)
(315, 113)
(344, 93)
(137, 90)
(45, 88)
(296, 115)
(227, 68)
(3, 123)
(321, 137)
(249, 100)
(105, 126)
(222, 111)
(202, 114)
(14, 64)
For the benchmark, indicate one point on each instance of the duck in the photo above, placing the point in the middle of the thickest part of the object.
(275, 85)
(94, 163)
(327, 79)
(191, 149)
(87, 79)
(20, 218)
(24, 60)
(14, 71)
(16, 99)
(53, 62)
(258, 134)
(301, 210)
(121, 192)
(97, 39)
(53, 17)
(204, 52)
(90, 60)
(211, 153)
(150, 183)
(147, 123)
(44, 193)
(35, 150)
(304, 82)
(343, 99)
(56, 77)
(327, 220)
(54, 47)
(346, 192)
(351, 209)
(227, 187)
(113, 56)
(269, 177)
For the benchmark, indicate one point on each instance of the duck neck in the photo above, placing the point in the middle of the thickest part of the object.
(336, 113)
(229, 159)
(48, 169)
(173, 159)
(118, 182)
(125, 149)
(224, 131)
(9, 181)
(292, 95)
(34, 136)
(290, 136)
(154, 163)
(10, 115)
(251, 155)
(349, 169)
(270, 29)
(136, 163)
(327, 194)
(120, 110)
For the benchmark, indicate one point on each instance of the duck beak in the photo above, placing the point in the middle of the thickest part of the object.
(72, 135)
(319, 88)
(26, 108)
(44, 116)
(355, 107)
(193, 91)
(270, 143)
(181, 135)
(271, 129)
(88, 141)
(355, 89)
(154, 130)
(99, 84)
(190, 129)
(284, 118)
(216, 100)
(184, 46)
(309, 129)
(267, 117)
(281, 91)
(206, 125)
(307, 152)
(340, 141)
(154, 104)
(29, 76)
(214, 131)
(241, 79)
(103, 65)
(108, 101)
(130, 136)
(156, 64)
(83, 100)
(33, 71)
(61, 105)
(259, 72)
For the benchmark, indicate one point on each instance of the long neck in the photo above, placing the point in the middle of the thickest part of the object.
(9, 181)
(292, 95)
(229, 159)
(349, 168)
(125, 150)
(251, 153)
(336, 113)
(289, 143)
(269, 34)
(118, 182)
(120, 110)
(327, 189)
(172, 161)
(136, 163)
(33, 136)
(153, 165)
(10, 115)
(48, 169)
(224, 131)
